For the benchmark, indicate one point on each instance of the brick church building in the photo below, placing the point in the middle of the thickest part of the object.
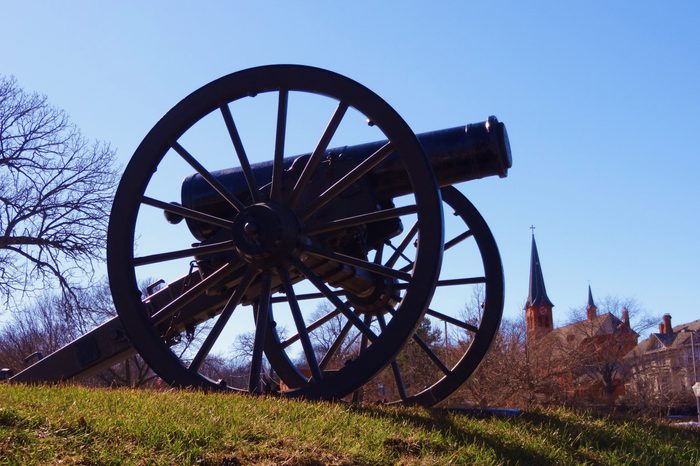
(585, 357)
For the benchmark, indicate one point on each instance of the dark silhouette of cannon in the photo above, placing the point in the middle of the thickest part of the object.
(332, 258)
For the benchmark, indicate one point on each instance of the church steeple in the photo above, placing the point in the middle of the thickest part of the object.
(537, 293)
(591, 308)
(538, 307)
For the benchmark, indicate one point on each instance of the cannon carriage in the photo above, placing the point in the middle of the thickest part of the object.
(331, 260)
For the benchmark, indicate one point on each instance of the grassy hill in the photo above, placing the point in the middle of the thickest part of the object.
(74, 425)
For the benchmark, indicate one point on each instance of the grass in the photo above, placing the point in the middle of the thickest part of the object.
(76, 425)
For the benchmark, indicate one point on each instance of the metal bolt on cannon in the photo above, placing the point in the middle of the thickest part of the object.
(336, 259)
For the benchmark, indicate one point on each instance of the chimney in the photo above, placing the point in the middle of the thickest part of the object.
(661, 327)
(625, 317)
(667, 324)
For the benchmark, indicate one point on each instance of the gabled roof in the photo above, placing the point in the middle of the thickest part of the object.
(537, 295)
(655, 342)
(603, 324)
(663, 341)
(694, 326)
(666, 339)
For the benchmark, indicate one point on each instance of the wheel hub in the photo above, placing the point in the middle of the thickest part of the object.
(382, 297)
(264, 234)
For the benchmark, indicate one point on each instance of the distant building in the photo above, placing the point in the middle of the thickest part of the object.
(664, 367)
(538, 307)
(585, 356)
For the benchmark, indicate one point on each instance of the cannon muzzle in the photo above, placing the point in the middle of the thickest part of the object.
(457, 154)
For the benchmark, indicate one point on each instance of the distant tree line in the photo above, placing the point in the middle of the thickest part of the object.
(525, 374)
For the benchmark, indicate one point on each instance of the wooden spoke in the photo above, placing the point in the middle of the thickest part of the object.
(396, 371)
(277, 163)
(363, 219)
(305, 296)
(458, 239)
(311, 327)
(214, 248)
(300, 325)
(357, 394)
(401, 255)
(450, 282)
(221, 322)
(433, 357)
(364, 342)
(451, 243)
(208, 177)
(378, 255)
(355, 262)
(188, 213)
(193, 293)
(349, 179)
(320, 149)
(261, 323)
(462, 281)
(402, 247)
(341, 306)
(336, 345)
(240, 152)
(452, 320)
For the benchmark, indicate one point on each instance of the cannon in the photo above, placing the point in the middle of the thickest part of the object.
(332, 266)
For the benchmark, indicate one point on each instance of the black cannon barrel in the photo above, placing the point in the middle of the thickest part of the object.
(456, 154)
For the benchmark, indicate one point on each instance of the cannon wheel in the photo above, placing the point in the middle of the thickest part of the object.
(145, 325)
(478, 330)
(471, 335)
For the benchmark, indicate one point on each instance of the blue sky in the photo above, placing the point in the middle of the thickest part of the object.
(600, 99)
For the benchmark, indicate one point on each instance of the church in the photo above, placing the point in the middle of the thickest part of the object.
(585, 357)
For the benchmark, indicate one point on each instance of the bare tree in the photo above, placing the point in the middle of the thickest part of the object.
(593, 350)
(567, 365)
(639, 319)
(55, 193)
(34, 329)
(514, 372)
(650, 387)
(324, 338)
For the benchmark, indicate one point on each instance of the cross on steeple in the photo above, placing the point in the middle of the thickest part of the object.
(532, 227)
